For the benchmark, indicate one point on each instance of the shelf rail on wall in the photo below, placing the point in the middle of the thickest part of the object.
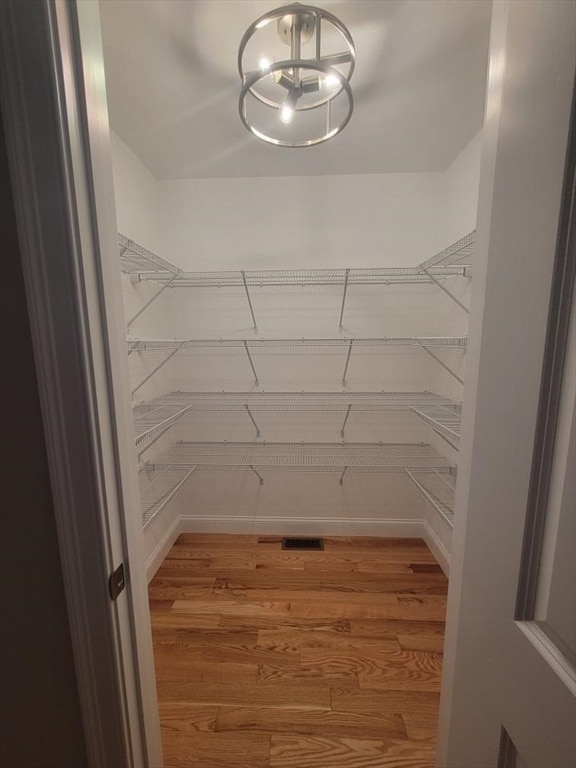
(439, 490)
(143, 265)
(154, 419)
(295, 345)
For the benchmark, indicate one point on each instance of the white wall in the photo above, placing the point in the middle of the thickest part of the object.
(458, 198)
(316, 222)
(316, 496)
(135, 189)
(300, 222)
(297, 222)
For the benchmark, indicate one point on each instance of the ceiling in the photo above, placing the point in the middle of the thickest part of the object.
(173, 86)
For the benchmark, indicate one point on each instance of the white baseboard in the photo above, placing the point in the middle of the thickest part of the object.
(438, 549)
(291, 526)
(164, 546)
(311, 526)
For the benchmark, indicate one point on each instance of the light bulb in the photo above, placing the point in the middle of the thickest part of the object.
(264, 64)
(331, 81)
(286, 114)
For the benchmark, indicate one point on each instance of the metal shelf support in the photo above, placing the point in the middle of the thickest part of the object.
(454, 298)
(347, 362)
(341, 481)
(346, 419)
(443, 364)
(251, 363)
(343, 299)
(258, 475)
(249, 300)
(150, 301)
(162, 364)
(253, 421)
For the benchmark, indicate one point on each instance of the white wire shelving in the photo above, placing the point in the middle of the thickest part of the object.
(459, 254)
(136, 260)
(153, 419)
(143, 265)
(294, 346)
(262, 345)
(161, 482)
(444, 418)
(304, 457)
(301, 278)
(159, 486)
(439, 490)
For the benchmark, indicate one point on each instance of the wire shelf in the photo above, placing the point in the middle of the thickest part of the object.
(439, 489)
(154, 418)
(136, 260)
(258, 345)
(458, 254)
(444, 418)
(303, 277)
(305, 457)
(159, 486)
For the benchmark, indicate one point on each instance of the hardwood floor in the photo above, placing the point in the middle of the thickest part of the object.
(273, 659)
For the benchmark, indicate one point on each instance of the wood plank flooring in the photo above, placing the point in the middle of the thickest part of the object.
(272, 659)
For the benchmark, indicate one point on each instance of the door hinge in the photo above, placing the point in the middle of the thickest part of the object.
(117, 582)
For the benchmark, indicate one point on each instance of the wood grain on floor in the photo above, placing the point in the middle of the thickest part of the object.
(273, 659)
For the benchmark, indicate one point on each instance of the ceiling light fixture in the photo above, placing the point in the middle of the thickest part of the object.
(305, 99)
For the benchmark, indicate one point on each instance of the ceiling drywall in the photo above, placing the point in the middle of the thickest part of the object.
(173, 86)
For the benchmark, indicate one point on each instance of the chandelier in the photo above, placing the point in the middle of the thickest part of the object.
(302, 99)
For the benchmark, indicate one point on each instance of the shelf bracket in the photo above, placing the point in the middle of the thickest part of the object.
(253, 421)
(251, 362)
(163, 363)
(346, 419)
(454, 298)
(249, 300)
(343, 299)
(150, 300)
(341, 481)
(347, 362)
(443, 364)
(258, 475)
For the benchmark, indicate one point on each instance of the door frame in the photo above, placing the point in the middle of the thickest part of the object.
(57, 134)
(540, 373)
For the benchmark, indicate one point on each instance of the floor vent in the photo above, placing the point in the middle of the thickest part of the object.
(306, 544)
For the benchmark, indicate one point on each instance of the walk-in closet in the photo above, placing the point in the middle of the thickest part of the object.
(290, 314)
(296, 328)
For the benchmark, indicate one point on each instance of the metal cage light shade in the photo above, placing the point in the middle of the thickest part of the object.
(300, 100)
